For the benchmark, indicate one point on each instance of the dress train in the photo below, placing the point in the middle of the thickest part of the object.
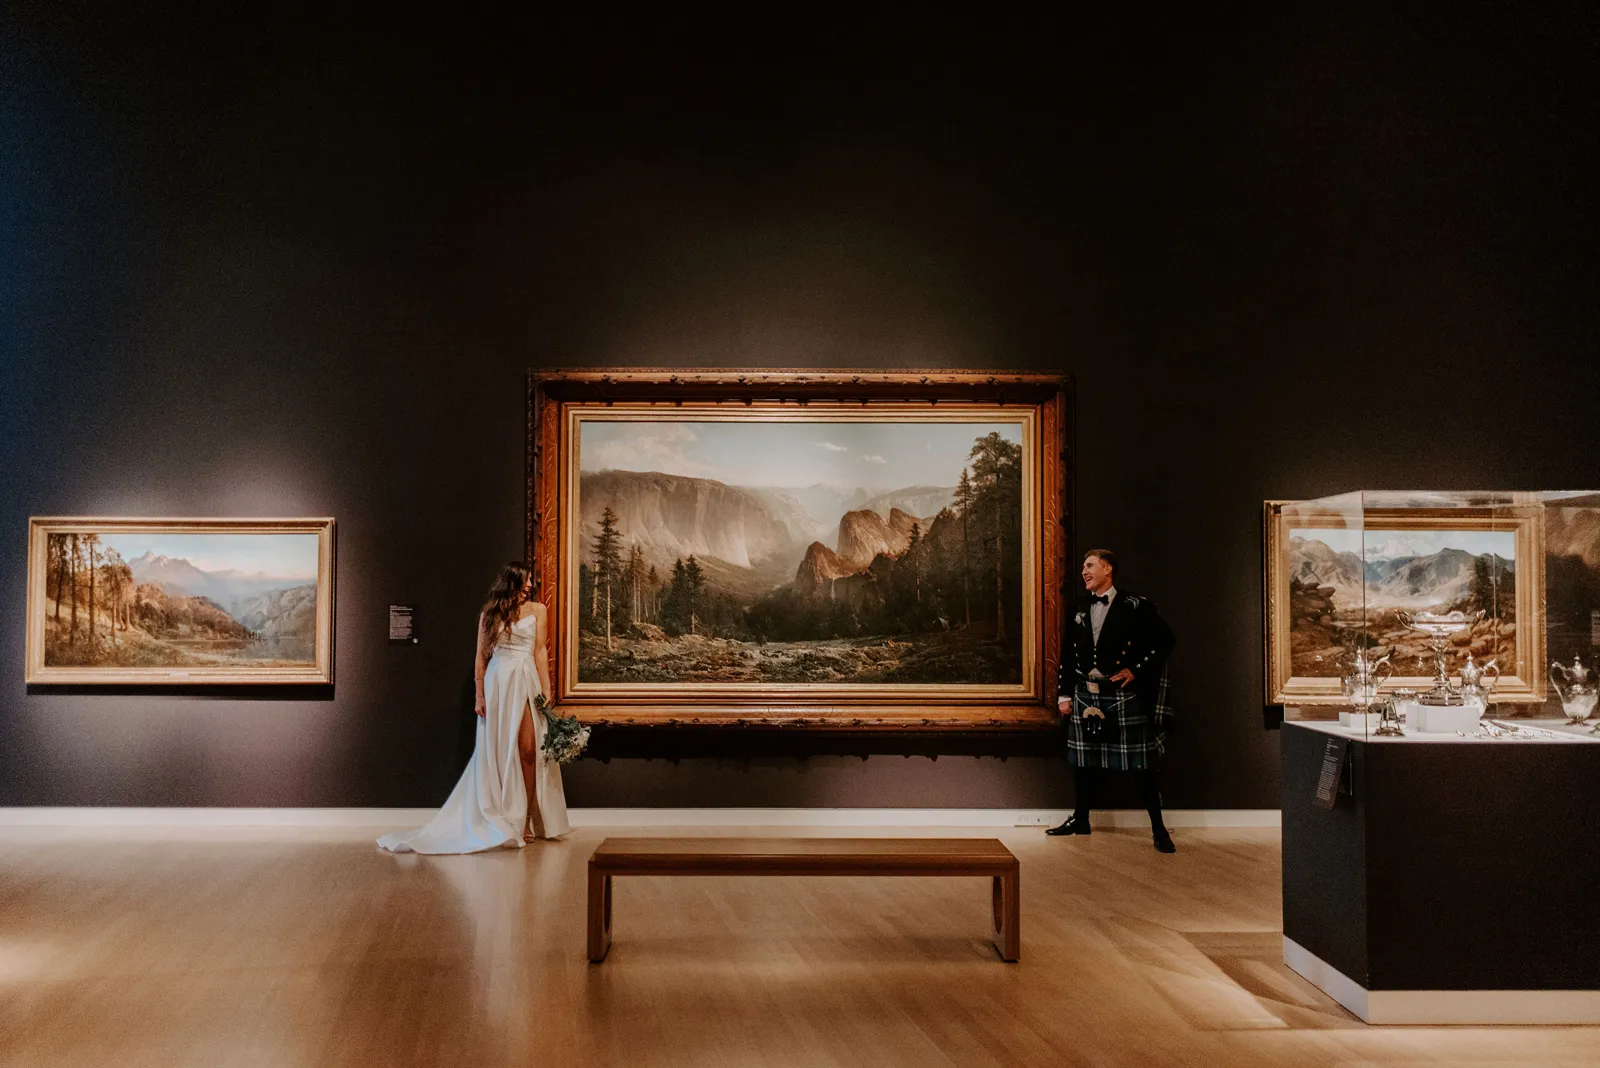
(489, 805)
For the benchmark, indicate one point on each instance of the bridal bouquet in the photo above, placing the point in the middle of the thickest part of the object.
(564, 736)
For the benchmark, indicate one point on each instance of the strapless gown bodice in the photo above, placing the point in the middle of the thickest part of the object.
(516, 642)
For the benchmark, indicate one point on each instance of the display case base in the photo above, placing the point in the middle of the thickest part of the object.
(1449, 880)
(1443, 1006)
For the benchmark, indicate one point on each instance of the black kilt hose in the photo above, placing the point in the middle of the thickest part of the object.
(1132, 737)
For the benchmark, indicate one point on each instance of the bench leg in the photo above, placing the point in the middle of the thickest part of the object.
(599, 914)
(1008, 915)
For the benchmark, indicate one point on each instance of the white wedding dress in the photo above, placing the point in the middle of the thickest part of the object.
(489, 805)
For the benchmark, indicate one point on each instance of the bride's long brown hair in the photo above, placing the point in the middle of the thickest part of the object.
(505, 599)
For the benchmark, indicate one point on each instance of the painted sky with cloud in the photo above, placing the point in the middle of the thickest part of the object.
(1397, 544)
(884, 455)
(277, 555)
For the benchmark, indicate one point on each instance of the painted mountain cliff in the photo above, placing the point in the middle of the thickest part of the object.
(672, 516)
(863, 534)
(1412, 582)
(227, 588)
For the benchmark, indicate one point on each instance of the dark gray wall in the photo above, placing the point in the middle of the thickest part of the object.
(253, 267)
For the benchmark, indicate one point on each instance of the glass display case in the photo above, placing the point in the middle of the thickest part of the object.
(1436, 615)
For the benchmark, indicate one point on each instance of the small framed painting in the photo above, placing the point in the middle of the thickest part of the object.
(1345, 579)
(151, 601)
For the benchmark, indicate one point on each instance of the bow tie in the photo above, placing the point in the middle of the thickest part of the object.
(1101, 598)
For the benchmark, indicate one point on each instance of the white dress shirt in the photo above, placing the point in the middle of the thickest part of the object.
(1097, 612)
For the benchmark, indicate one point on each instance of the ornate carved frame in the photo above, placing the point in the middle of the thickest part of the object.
(554, 395)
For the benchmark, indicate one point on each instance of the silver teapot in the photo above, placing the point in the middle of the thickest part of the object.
(1479, 681)
(1578, 695)
(1361, 684)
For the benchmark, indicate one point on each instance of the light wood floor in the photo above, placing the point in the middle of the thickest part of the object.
(275, 947)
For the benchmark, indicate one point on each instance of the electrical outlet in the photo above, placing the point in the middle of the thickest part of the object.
(1032, 819)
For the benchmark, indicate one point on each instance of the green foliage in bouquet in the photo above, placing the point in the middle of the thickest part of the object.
(564, 737)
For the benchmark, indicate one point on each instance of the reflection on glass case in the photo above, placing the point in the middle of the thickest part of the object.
(1444, 615)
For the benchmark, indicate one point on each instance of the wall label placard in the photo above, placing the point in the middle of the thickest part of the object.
(402, 624)
(1331, 782)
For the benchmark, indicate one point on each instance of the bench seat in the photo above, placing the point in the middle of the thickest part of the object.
(807, 856)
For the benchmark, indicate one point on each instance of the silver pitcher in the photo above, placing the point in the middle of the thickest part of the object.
(1578, 695)
(1361, 683)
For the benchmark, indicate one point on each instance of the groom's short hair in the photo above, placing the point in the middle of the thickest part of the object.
(1105, 555)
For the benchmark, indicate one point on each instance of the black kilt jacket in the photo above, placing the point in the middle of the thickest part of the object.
(1135, 637)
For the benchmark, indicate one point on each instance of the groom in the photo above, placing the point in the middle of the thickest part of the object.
(1113, 689)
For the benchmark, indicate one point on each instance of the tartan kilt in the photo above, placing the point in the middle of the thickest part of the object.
(1134, 735)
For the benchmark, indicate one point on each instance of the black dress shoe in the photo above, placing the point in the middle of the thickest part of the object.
(1164, 841)
(1072, 825)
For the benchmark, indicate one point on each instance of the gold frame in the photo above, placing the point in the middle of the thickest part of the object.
(560, 401)
(37, 673)
(1525, 684)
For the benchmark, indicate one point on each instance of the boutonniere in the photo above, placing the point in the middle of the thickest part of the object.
(1078, 618)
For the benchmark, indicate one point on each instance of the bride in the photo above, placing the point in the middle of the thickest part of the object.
(510, 792)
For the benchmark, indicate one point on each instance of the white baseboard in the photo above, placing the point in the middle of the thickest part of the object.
(907, 817)
(214, 817)
(1325, 977)
(1466, 1007)
(626, 817)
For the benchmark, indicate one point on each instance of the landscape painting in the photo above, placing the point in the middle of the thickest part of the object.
(837, 552)
(1337, 583)
(1348, 588)
(191, 600)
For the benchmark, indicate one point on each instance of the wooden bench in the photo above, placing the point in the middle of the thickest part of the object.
(806, 856)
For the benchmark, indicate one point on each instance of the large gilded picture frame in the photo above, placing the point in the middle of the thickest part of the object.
(158, 601)
(837, 550)
(1304, 550)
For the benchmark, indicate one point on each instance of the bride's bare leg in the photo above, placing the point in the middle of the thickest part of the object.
(528, 751)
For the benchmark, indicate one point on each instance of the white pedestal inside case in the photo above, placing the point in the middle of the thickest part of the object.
(1350, 717)
(1443, 719)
